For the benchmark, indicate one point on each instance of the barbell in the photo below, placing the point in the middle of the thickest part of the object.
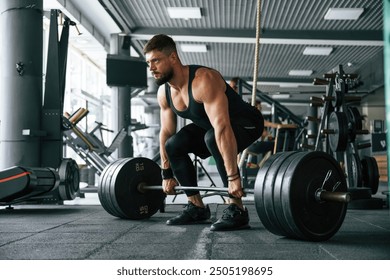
(320, 195)
(301, 195)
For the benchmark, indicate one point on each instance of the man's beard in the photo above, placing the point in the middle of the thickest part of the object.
(164, 78)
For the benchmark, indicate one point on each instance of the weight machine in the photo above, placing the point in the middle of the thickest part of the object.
(86, 144)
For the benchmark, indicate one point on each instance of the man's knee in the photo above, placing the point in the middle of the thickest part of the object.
(209, 139)
(171, 146)
(176, 145)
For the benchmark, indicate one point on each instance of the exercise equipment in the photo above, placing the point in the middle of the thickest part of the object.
(69, 175)
(289, 195)
(340, 125)
(370, 174)
(300, 195)
(89, 147)
(20, 184)
(118, 188)
(337, 131)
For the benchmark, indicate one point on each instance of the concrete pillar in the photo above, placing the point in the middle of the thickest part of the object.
(386, 38)
(21, 36)
(121, 99)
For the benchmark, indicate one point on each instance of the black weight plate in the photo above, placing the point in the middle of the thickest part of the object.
(338, 122)
(263, 196)
(278, 193)
(104, 187)
(69, 174)
(132, 203)
(111, 189)
(359, 193)
(312, 220)
(370, 173)
(259, 190)
(338, 98)
(356, 167)
(356, 118)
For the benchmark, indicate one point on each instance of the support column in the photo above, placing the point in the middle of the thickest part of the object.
(121, 99)
(386, 38)
(21, 36)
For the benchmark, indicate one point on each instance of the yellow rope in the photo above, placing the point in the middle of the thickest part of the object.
(255, 73)
(256, 66)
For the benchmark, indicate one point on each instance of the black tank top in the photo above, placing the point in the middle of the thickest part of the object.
(195, 110)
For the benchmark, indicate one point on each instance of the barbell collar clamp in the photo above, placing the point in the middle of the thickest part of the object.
(327, 196)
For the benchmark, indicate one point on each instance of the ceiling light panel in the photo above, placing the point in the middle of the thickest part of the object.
(317, 50)
(184, 12)
(193, 48)
(300, 72)
(343, 13)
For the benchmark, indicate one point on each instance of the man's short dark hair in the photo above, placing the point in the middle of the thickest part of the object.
(162, 43)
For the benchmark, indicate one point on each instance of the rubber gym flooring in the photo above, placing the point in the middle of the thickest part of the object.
(85, 231)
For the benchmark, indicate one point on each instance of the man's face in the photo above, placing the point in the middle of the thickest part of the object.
(160, 66)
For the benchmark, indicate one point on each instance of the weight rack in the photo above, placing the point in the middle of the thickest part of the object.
(339, 125)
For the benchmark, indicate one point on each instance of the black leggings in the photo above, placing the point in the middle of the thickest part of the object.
(200, 142)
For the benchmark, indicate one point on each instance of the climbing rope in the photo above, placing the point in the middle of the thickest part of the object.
(255, 73)
(257, 48)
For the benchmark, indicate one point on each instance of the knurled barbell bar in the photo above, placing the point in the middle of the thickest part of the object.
(301, 195)
(320, 195)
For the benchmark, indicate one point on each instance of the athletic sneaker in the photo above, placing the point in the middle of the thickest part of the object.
(191, 215)
(233, 218)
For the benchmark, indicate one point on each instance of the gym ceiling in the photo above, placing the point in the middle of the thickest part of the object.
(226, 30)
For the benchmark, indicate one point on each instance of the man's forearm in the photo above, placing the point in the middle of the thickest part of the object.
(163, 154)
(227, 146)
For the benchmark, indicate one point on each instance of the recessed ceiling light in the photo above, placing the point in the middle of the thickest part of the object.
(280, 96)
(184, 12)
(317, 50)
(193, 48)
(300, 72)
(343, 13)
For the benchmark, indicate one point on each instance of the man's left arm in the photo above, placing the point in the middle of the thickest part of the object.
(209, 88)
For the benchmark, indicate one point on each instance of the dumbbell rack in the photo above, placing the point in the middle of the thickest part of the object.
(339, 125)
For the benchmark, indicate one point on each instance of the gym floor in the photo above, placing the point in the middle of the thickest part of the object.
(83, 230)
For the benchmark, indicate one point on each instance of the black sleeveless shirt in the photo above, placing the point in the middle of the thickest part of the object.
(196, 112)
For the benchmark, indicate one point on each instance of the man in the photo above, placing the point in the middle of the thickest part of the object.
(222, 126)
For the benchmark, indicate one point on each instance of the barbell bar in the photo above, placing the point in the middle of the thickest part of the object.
(143, 188)
(301, 195)
(320, 195)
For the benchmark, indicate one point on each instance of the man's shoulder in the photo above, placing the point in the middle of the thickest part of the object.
(206, 72)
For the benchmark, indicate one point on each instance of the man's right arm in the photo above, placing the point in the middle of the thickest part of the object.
(168, 128)
(168, 125)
